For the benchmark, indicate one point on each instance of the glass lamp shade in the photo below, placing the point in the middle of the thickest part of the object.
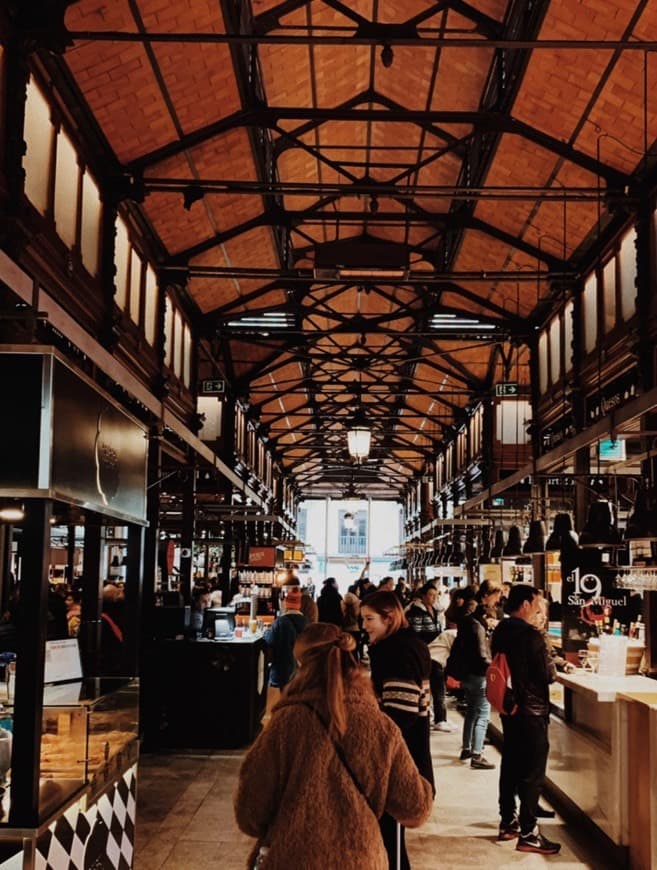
(599, 530)
(513, 545)
(499, 545)
(535, 542)
(358, 442)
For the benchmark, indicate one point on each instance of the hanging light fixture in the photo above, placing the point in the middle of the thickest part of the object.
(562, 529)
(359, 437)
(642, 522)
(12, 513)
(599, 530)
(535, 542)
(513, 545)
(457, 556)
(485, 553)
(499, 545)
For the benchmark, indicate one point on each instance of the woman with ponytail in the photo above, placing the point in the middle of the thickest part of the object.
(329, 764)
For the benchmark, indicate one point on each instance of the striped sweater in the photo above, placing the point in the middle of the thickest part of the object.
(400, 667)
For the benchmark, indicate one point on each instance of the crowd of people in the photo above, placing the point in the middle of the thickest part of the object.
(377, 655)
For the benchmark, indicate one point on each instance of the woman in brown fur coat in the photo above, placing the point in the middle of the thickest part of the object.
(329, 764)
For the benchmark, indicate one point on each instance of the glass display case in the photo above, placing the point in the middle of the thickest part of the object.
(88, 737)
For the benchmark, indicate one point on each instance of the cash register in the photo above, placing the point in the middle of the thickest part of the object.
(219, 622)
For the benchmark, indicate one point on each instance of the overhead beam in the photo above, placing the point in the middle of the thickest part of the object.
(348, 37)
(490, 121)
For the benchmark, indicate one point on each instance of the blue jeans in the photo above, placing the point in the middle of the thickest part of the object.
(477, 714)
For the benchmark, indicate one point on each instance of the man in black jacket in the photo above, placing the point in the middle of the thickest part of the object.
(526, 746)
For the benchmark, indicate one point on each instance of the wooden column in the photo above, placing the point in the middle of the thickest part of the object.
(28, 701)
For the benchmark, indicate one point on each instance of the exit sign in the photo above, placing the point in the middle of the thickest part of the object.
(212, 387)
(506, 389)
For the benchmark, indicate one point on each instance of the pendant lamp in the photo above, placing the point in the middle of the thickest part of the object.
(513, 545)
(535, 542)
(447, 552)
(499, 545)
(485, 554)
(642, 522)
(599, 530)
(457, 556)
(561, 529)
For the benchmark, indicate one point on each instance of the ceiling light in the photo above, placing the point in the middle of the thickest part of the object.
(266, 320)
(359, 437)
(12, 514)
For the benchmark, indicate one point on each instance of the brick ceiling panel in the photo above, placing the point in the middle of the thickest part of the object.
(173, 167)
(517, 297)
(231, 210)
(286, 74)
(481, 253)
(272, 299)
(399, 11)
(201, 85)
(556, 93)
(99, 15)
(559, 84)
(407, 80)
(341, 72)
(177, 228)
(253, 249)
(461, 78)
(225, 156)
(121, 89)
(456, 300)
(210, 293)
(442, 171)
(624, 109)
(297, 165)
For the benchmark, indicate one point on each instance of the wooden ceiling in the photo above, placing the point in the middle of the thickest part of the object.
(477, 144)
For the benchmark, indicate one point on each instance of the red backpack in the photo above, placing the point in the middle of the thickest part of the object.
(499, 688)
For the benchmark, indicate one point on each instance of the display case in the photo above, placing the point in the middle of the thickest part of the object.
(89, 733)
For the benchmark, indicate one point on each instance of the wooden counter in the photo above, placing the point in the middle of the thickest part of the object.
(602, 757)
(639, 717)
(206, 693)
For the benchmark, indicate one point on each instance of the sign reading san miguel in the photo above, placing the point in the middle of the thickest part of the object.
(593, 605)
(611, 395)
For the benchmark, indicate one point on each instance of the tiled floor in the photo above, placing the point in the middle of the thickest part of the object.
(185, 819)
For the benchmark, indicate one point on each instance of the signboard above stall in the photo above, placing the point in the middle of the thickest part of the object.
(66, 439)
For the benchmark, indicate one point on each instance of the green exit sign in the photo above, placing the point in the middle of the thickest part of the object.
(506, 389)
(212, 387)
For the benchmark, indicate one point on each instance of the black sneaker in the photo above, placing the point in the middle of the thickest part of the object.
(509, 831)
(465, 754)
(478, 762)
(536, 842)
(544, 813)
